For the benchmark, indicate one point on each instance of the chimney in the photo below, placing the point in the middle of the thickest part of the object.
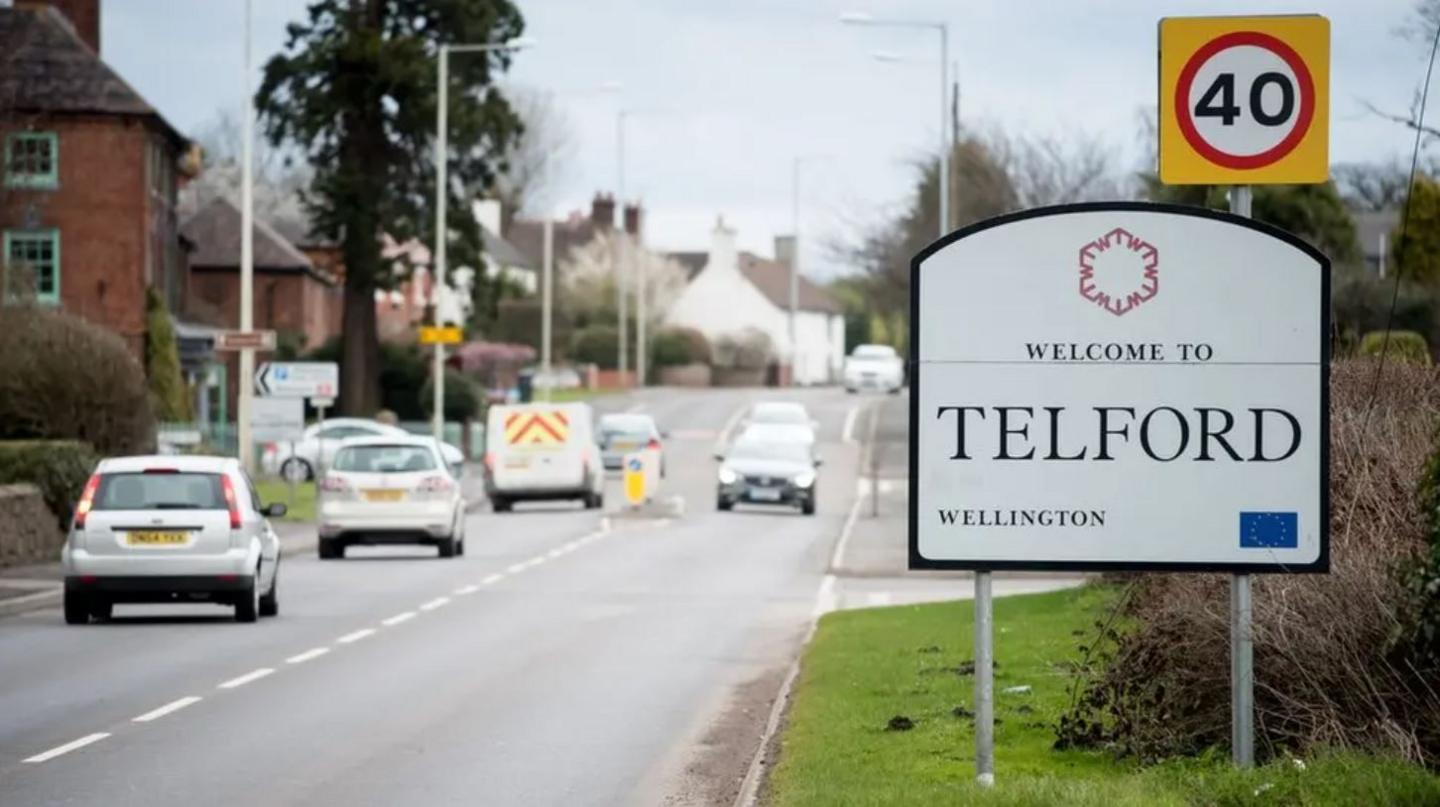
(602, 211)
(785, 249)
(722, 249)
(632, 220)
(83, 16)
(487, 214)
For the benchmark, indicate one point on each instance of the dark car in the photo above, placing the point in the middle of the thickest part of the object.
(767, 472)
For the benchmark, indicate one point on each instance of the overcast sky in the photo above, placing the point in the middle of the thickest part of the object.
(727, 94)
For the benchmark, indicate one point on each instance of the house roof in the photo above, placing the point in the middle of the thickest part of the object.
(772, 278)
(46, 67)
(528, 238)
(692, 261)
(215, 229)
(505, 253)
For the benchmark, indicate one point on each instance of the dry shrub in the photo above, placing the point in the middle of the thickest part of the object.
(1327, 672)
(62, 378)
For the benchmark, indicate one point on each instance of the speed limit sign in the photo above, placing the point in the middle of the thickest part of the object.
(1244, 100)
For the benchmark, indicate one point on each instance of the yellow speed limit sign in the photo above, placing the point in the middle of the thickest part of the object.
(1244, 100)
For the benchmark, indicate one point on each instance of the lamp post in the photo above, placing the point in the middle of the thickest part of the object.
(621, 258)
(442, 182)
(860, 18)
(246, 385)
(795, 172)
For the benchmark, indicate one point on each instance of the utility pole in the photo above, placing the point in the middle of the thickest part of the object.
(794, 265)
(547, 302)
(246, 382)
(437, 266)
(622, 362)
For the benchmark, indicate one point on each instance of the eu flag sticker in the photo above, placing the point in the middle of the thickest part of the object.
(1269, 530)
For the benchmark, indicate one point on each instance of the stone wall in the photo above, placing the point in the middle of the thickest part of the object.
(28, 533)
(685, 375)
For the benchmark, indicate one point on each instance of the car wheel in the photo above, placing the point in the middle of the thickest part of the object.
(331, 550)
(101, 609)
(849, 391)
(270, 603)
(808, 507)
(77, 609)
(247, 608)
(447, 547)
(724, 504)
(500, 505)
(297, 469)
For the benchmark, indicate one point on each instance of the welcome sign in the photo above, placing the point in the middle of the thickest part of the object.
(1120, 386)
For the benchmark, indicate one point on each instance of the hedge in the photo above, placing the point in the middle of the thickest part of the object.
(1405, 346)
(59, 468)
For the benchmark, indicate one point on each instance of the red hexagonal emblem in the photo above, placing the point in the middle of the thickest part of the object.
(1119, 271)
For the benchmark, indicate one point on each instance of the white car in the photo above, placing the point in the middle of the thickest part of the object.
(542, 452)
(395, 489)
(786, 415)
(316, 449)
(875, 367)
(171, 529)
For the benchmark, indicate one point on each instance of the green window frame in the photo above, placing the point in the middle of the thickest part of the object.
(32, 160)
(38, 250)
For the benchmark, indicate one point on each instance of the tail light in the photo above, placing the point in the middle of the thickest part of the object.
(490, 461)
(87, 500)
(435, 484)
(334, 484)
(231, 503)
(653, 445)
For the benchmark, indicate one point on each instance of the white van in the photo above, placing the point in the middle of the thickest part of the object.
(542, 451)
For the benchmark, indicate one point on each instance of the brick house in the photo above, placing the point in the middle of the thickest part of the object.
(90, 172)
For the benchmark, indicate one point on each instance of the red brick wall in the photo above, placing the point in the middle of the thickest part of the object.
(100, 210)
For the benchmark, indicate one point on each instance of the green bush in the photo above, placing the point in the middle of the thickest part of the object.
(676, 346)
(598, 345)
(168, 393)
(1405, 346)
(62, 378)
(463, 400)
(58, 468)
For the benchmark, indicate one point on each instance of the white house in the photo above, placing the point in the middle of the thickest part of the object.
(735, 290)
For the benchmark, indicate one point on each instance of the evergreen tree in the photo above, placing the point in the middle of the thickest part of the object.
(169, 396)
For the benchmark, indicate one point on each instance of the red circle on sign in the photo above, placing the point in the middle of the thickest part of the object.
(1272, 154)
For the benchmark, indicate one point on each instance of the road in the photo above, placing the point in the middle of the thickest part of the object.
(570, 657)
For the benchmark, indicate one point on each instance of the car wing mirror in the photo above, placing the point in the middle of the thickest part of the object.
(276, 510)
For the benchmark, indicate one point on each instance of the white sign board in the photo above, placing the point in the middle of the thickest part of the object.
(298, 379)
(277, 420)
(1120, 386)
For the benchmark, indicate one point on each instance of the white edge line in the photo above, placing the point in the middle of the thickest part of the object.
(639, 407)
(355, 636)
(253, 675)
(825, 597)
(515, 568)
(435, 603)
(557, 552)
(403, 616)
(173, 706)
(837, 558)
(848, 433)
(494, 578)
(312, 653)
(45, 756)
(724, 438)
(470, 589)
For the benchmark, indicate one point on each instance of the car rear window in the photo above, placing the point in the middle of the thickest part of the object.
(159, 491)
(380, 459)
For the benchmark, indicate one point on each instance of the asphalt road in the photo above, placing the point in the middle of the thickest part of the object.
(570, 658)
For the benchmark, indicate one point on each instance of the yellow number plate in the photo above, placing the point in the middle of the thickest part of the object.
(157, 538)
(384, 495)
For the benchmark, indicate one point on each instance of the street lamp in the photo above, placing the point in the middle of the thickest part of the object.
(246, 392)
(862, 18)
(799, 162)
(620, 270)
(441, 197)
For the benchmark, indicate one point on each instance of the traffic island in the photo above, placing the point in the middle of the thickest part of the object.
(882, 713)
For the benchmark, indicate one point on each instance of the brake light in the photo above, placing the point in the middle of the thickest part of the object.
(653, 445)
(489, 460)
(435, 484)
(87, 500)
(161, 470)
(334, 484)
(231, 503)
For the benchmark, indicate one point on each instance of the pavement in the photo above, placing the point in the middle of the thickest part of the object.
(570, 657)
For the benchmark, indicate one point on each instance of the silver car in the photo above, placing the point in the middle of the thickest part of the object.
(171, 529)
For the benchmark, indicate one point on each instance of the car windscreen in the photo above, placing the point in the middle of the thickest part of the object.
(159, 491)
(626, 426)
(864, 352)
(384, 459)
(779, 413)
(770, 450)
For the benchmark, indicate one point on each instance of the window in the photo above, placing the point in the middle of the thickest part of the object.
(32, 263)
(32, 160)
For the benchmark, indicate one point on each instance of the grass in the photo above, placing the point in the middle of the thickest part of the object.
(574, 395)
(866, 667)
(276, 490)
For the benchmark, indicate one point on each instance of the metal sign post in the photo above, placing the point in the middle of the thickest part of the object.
(984, 682)
(1242, 637)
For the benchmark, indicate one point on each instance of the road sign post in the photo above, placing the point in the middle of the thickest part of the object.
(298, 379)
(1139, 387)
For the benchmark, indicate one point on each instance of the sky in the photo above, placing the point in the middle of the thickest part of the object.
(722, 97)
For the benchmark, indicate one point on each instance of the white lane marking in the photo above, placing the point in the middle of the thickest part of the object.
(825, 597)
(470, 589)
(253, 675)
(557, 552)
(604, 525)
(729, 426)
(494, 578)
(878, 598)
(46, 756)
(356, 636)
(435, 603)
(533, 562)
(515, 568)
(639, 407)
(848, 433)
(173, 706)
(312, 653)
(837, 558)
(397, 619)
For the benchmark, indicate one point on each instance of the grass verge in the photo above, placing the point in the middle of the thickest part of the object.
(844, 743)
(302, 508)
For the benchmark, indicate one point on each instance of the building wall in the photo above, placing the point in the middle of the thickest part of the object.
(101, 210)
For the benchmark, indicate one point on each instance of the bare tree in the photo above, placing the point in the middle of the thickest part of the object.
(540, 155)
(279, 180)
(587, 285)
(1371, 186)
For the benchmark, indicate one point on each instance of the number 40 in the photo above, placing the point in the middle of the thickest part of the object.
(1226, 109)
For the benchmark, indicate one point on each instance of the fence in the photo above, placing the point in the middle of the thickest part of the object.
(221, 439)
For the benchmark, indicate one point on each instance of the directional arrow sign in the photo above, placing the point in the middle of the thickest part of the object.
(298, 379)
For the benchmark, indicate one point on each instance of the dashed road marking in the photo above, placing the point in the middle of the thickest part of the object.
(173, 706)
(515, 568)
(46, 756)
(470, 589)
(494, 578)
(312, 653)
(356, 636)
(848, 433)
(404, 616)
(435, 603)
(253, 675)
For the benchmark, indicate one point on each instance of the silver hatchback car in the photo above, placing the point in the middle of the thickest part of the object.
(171, 529)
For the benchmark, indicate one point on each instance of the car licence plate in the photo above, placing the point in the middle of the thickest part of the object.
(383, 495)
(624, 447)
(156, 538)
(765, 494)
